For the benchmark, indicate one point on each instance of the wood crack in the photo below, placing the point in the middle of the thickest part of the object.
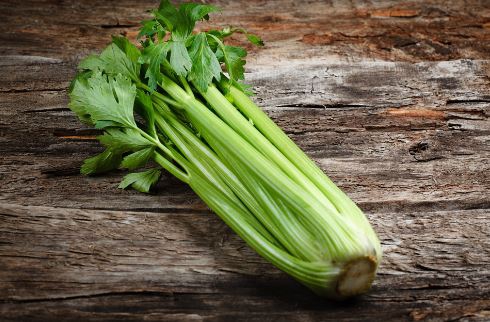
(88, 296)
(118, 25)
(466, 101)
(46, 110)
(324, 106)
(33, 90)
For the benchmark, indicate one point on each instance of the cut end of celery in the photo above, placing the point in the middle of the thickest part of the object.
(357, 277)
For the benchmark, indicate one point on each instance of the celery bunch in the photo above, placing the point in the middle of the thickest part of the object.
(177, 102)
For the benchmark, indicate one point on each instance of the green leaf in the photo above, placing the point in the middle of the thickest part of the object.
(128, 48)
(151, 28)
(124, 140)
(154, 55)
(147, 28)
(205, 65)
(223, 33)
(228, 31)
(78, 103)
(168, 14)
(144, 107)
(91, 62)
(245, 88)
(196, 11)
(104, 99)
(120, 57)
(116, 61)
(180, 22)
(254, 39)
(179, 58)
(232, 58)
(220, 34)
(141, 181)
(103, 162)
(79, 109)
(137, 159)
(100, 125)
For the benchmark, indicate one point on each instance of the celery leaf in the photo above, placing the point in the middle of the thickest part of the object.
(205, 65)
(124, 140)
(104, 98)
(103, 162)
(137, 159)
(141, 181)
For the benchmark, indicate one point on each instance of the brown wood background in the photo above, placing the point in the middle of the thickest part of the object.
(391, 99)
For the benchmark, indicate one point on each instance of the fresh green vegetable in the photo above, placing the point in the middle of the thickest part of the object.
(169, 104)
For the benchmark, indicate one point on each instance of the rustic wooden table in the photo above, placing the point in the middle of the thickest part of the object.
(391, 99)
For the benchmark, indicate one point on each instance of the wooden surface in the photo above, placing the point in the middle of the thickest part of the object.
(391, 99)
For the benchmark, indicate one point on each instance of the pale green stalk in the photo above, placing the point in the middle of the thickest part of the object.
(336, 233)
(294, 154)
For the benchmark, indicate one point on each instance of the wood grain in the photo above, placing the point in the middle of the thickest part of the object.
(391, 99)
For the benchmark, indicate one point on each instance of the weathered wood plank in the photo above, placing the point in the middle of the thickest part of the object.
(189, 261)
(387, 30)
